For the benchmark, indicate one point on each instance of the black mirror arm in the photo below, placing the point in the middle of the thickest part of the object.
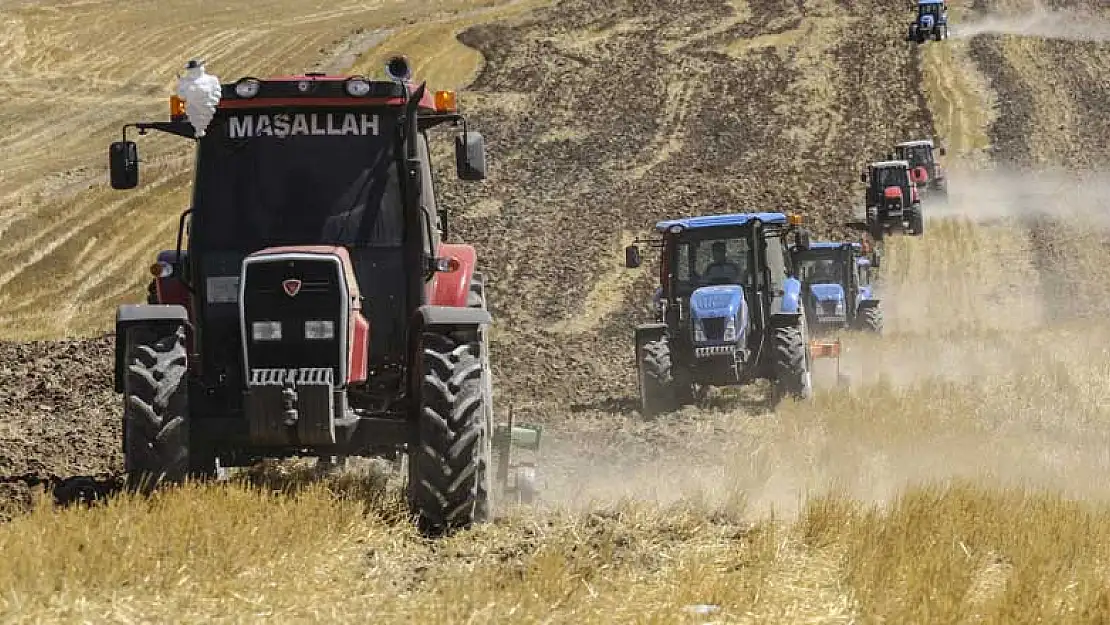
(180, 268)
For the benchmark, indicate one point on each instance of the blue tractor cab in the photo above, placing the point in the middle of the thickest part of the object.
(931, 21)
(728, 309)
(837, 289)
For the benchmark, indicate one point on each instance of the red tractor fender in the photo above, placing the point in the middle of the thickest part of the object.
(892, 193)
(451, 288)
(919, 175)
(172, 290)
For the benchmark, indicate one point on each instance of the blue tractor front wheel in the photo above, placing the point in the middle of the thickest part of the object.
(661, 390)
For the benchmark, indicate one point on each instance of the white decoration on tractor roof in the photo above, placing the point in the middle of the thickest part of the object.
(201, 92)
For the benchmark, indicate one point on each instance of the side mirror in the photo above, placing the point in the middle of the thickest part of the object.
(863, 177)
(943, 152)
(123, 164)
(632, 258)
(470, 156)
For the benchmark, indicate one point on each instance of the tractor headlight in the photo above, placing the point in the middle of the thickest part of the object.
(319, 330)
(730, 329)
(699, 332)
(266, 330)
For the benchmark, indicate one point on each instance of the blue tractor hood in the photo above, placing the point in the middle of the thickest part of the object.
(723, 300)
(827, 292)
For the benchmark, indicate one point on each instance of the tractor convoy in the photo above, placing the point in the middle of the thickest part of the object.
(314, 304)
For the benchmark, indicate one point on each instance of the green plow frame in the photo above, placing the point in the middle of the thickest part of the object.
(517, 478)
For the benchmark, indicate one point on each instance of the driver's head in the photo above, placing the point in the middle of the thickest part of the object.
(719, 251)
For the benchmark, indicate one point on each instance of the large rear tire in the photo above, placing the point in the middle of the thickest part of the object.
(791, 363)
(871, 320)
(917, 221)
(448, 468)
(874, 224)
(156, 407)
(657, 383)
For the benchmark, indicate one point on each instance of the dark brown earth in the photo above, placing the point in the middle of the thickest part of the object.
(591, 141)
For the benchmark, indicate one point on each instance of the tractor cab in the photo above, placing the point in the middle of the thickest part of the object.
(931, 21)
(930, 9)
(889, 184)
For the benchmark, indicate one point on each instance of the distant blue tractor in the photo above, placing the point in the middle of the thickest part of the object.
(728, 310)
(837, 290)
(931, 22)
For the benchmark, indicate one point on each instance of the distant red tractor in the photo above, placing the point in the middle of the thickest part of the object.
(892, 202)
(316, 309)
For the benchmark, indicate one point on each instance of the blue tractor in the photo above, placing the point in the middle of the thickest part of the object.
(837, 290)
(931, 21)
(728, 310)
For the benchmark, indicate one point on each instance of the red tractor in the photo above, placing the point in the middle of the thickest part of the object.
(892, 202)
(315, 308)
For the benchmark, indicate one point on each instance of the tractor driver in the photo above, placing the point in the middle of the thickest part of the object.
(721, 270)
(825, 272)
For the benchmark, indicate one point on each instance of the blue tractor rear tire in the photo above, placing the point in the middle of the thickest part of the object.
(871, 320)
(791, 363)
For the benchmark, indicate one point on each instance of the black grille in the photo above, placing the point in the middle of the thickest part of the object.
(714, 328)
(320, 298)
(828, 307)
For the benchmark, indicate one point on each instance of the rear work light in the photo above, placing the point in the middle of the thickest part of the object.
(357, 86)
(319, 330)
(247, 87)
(445, 102)
(266, 330)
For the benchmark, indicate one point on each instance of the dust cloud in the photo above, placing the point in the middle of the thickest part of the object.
(1039, 22)
(980, 375)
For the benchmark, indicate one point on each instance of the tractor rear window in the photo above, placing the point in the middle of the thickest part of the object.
(334, 183)
(891, 177)
(821, 270)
